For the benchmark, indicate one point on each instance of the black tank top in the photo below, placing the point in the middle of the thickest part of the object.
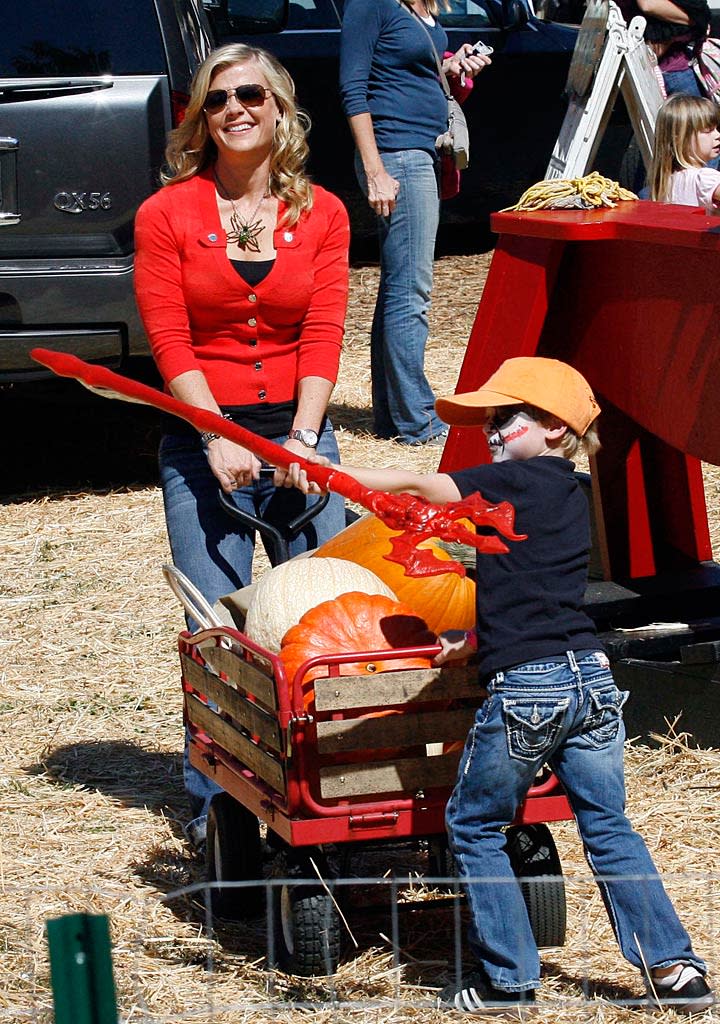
(251, 271)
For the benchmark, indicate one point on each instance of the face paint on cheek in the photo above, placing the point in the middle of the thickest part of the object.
(495, 440)
(514, 435)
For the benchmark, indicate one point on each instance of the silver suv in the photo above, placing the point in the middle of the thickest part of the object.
(88, 91)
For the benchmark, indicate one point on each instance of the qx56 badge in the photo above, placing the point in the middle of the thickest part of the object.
(79, 202)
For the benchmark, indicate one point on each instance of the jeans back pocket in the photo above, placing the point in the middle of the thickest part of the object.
(604, 715)
(532, 725)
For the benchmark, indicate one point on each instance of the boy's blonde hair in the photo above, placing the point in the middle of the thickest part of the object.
(570, 442)
(679, 120)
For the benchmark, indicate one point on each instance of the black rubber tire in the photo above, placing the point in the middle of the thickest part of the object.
(307, 931)
(234, 854)
(441, 863)
(535, 861)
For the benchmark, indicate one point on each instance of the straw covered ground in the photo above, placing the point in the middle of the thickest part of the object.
(91, 799)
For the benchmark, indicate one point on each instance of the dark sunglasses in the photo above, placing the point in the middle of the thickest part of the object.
(248, 95)
(504, 414)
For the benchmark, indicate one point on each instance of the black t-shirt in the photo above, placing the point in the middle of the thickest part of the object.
(529, 601)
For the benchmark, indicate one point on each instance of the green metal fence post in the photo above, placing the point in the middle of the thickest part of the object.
(81, 969)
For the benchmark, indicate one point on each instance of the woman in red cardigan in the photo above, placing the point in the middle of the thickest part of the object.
(241, 279)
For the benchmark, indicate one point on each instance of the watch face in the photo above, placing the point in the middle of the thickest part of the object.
(307, 436)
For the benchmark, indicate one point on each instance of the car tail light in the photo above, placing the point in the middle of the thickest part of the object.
(179, 101)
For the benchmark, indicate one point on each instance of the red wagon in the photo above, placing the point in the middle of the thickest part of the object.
(371, 761)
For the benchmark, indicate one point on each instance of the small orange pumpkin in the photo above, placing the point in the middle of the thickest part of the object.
(445, 601)
(354, 622)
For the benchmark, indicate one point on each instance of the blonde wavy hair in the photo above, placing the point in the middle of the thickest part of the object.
(679, 120)
(191, 149)
(589, 442)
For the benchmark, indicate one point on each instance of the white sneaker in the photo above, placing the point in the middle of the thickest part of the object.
(686, 992)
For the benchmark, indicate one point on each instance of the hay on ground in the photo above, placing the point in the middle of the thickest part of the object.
(91, 797)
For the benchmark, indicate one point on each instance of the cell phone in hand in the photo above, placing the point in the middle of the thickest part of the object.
(481, 49)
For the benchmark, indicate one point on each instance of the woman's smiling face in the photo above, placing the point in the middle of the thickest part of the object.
(237, 129)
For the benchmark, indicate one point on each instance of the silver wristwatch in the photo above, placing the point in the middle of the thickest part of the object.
(308, 437)
(209, 435)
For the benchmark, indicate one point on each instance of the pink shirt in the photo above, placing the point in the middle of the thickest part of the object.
(694, 186)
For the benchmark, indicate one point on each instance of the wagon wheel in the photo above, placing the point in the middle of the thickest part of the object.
(535, 861)
(441, 863)
(234, 854)
(306, 924)
(307, 931)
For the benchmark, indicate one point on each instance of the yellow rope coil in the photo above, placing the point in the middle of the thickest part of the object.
(582, 193)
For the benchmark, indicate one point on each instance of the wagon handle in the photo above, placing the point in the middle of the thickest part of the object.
(279, 540)
(191, 599)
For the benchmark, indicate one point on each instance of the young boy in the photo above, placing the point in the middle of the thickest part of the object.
(551, 696)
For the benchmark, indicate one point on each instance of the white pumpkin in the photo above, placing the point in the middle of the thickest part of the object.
(285, 593)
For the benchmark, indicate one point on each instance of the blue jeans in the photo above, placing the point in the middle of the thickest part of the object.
(566, 713)
(681, 81)
(403, 402)
(216, 553)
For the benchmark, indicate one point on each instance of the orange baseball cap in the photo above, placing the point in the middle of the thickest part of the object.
(549, 384)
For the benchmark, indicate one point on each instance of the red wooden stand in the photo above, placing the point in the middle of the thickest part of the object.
(629, 296)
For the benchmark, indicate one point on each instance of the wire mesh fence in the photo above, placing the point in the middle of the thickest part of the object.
(366, 948)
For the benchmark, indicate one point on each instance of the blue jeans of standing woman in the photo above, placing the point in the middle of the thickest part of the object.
(403, 402)
(567, 712)
(215, 552)
(682, 81)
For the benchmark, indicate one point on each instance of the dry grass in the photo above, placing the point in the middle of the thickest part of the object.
(91, 799)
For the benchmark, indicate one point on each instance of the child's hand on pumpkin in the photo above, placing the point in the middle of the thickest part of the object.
(455, 646)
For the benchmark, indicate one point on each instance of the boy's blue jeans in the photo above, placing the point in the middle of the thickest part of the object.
(566, 712)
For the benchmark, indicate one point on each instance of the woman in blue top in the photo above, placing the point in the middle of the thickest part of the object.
(396, 106)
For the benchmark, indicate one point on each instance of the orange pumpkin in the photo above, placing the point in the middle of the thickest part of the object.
(354, 622)
(445, 601)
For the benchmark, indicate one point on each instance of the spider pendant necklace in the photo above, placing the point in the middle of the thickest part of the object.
(244, 232)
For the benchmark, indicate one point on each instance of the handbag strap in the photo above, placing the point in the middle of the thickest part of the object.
(441, 74)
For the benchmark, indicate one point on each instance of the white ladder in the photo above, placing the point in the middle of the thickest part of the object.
(609, 57)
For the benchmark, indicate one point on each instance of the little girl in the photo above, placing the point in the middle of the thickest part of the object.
(686, 138)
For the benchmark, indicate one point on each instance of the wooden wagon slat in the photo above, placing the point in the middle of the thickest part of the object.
(250, 716)
(407, 775)
(394, 730)
(260, 762)
(242, 674)
(345, 692)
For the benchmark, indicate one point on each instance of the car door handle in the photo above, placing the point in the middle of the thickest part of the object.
(8, 181)
(48, 86)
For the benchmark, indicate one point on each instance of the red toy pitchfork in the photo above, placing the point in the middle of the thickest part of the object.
(416, 518)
